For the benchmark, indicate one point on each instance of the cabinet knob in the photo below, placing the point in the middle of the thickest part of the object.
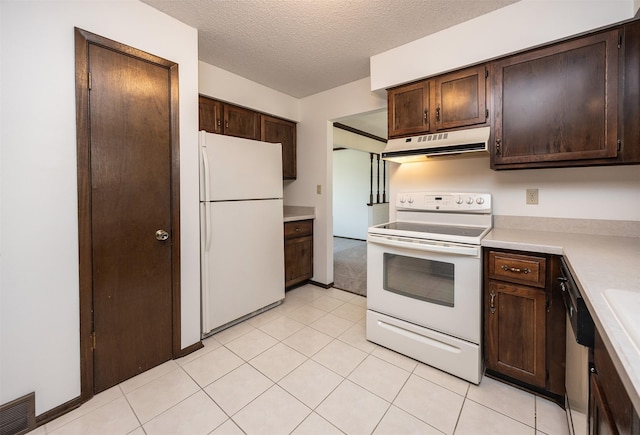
(498, 146)
(437, 114)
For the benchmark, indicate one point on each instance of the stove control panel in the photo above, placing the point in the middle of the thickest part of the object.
(452, 202)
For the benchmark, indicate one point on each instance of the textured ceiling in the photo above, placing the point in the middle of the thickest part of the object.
(301, 47)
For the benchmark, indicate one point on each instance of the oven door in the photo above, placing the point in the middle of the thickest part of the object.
(431, 284)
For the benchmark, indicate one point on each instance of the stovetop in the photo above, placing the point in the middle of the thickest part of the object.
(427, 228)
(448, 217)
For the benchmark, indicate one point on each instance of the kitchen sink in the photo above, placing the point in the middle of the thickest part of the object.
(625, 305)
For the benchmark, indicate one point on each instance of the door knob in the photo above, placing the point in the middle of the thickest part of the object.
(162, 235)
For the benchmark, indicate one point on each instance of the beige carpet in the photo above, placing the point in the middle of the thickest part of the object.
(350, 265)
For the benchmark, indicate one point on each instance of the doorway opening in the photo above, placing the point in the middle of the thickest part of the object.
(360, 194)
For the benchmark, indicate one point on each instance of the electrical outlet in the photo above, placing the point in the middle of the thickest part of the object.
(532, 196)
(319, 189)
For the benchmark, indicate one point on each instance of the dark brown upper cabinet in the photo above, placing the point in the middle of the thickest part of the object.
(224, 118)
(558, 105)
(460, 98)
(408, 109)
(449, 101)
(630, 146)
(280, 130)
(241, 122)
(210, 115)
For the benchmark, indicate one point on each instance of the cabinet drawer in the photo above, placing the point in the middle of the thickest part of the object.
(298, 228)
(523, 269)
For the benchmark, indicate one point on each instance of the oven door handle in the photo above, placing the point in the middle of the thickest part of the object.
(424, 245)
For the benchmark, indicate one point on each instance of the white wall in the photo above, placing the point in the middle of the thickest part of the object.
(351, 179)
(607, 192)
(39, 234)
(315, 149)
(521, 25)
(217, 83)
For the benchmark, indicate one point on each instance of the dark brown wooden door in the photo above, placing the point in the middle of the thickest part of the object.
(409, 109)
(210, 115)
(461, 98)
(558, 103)
(128, 211)
(515, 332)
(241, 122)
(277, 130)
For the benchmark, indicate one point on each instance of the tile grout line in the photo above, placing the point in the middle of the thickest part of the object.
(340, 339)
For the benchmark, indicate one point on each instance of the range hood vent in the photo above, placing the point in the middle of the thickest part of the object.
(419, 148)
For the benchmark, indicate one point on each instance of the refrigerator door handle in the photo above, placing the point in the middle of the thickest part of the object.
(204, 273)
(207, 227)
(205, 167)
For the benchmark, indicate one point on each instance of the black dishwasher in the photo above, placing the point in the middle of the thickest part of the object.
(579, 317)
(579, 340)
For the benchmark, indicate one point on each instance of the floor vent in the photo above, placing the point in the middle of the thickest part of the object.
(18, 416)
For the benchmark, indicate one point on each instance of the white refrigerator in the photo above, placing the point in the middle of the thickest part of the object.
(241, 229)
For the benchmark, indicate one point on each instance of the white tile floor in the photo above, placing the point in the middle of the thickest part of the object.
(305, 367)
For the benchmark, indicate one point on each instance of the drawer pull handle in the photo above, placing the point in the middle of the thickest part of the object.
(297, 229)
(526, 270)
(492, 308)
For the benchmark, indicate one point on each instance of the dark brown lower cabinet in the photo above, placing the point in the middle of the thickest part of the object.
(515, 332)
(298, 252)
(524, 321)
(610, 408)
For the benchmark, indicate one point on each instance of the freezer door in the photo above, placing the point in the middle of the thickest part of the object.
(233, 168)
(242, 259)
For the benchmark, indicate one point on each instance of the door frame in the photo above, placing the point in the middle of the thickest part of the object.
(83, 39)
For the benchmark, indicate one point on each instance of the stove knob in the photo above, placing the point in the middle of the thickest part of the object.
(470, 200)
(410, 200)
(402, 200)
(459, 200)
(480, 201)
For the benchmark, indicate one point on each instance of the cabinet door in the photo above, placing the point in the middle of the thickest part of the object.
(600, 419)
(298, 260)
(611, 410)
(241, 122)
(461, 98)
(408, 108)
(210, 115)
(630, 146)
(281, 131)
(515, 332)
(557, 104)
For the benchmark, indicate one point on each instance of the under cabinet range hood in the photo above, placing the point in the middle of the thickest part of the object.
(419, 148)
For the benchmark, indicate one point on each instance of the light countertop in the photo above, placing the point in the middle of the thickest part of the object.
(298, 213)
(598, 263)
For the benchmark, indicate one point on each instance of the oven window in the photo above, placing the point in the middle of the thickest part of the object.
(425, 280)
